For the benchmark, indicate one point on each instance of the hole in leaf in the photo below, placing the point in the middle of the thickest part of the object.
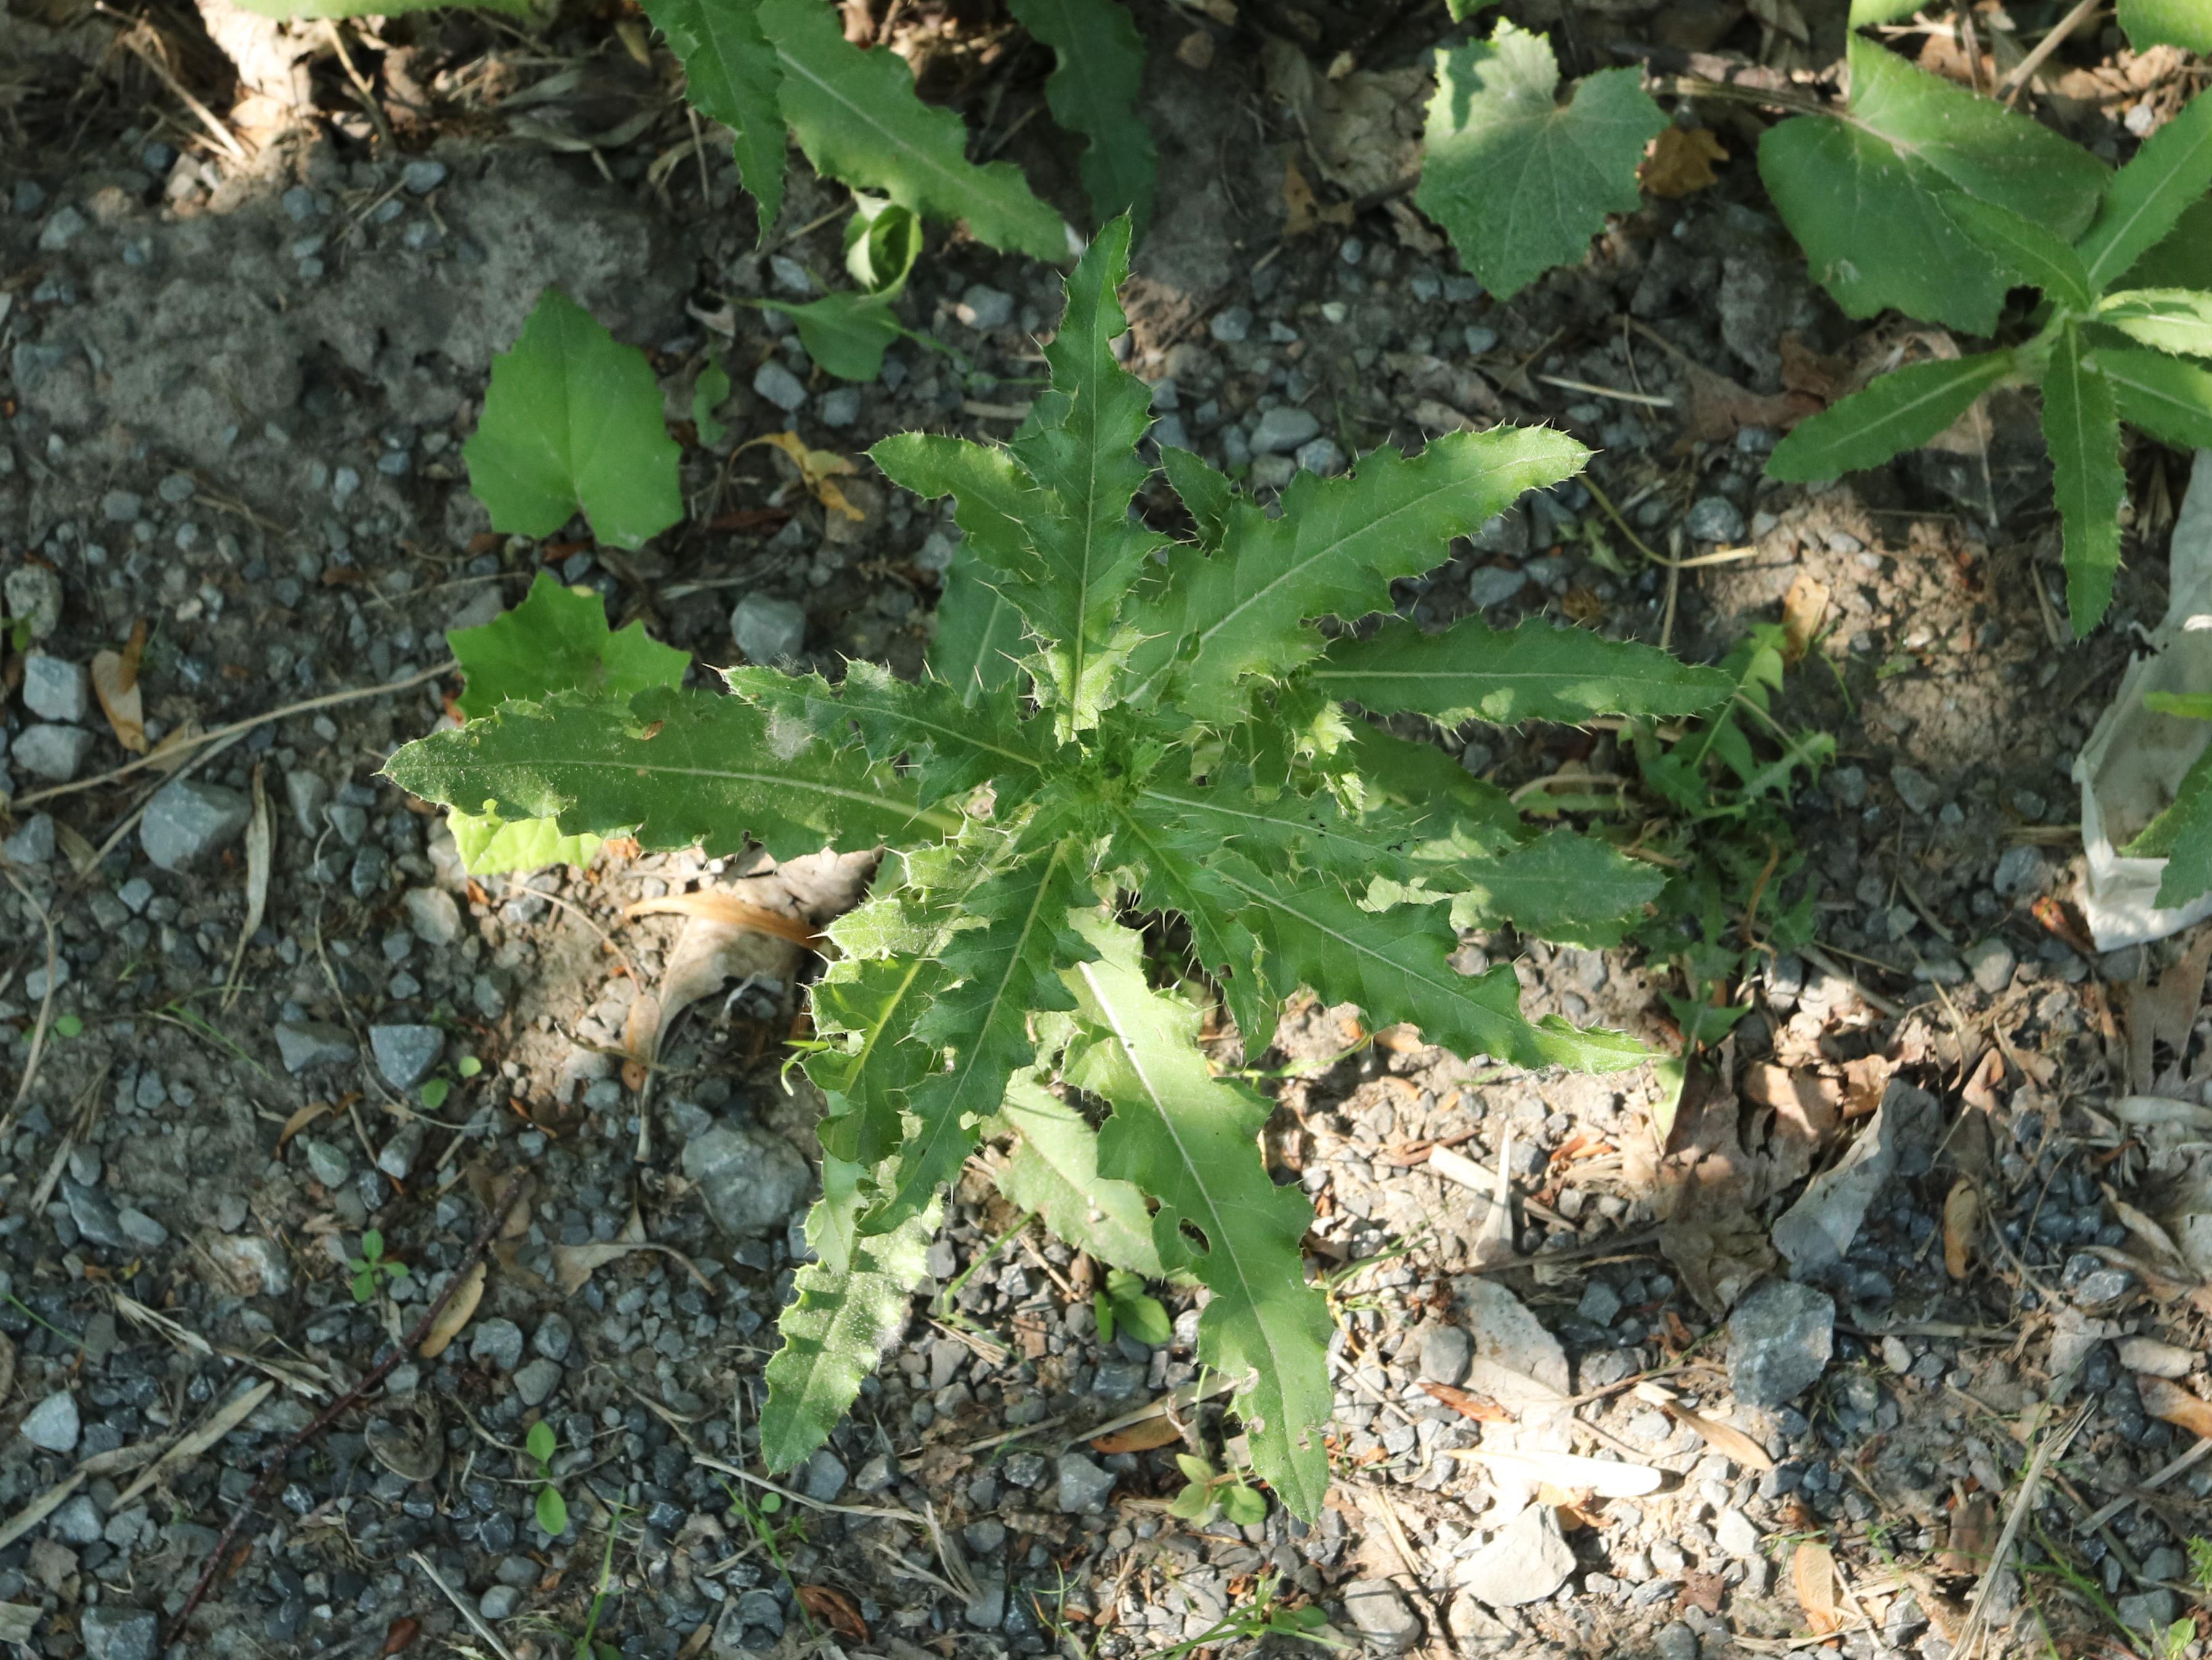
(1194, 1236)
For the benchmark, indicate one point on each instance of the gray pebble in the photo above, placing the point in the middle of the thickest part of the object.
(1714, 519)
(497, 1343)
(839, 407)
(536, 1381)
(434, 915)
(499, 1602)
(52, 1425)
(304, 1044)
(1915, 788)
(308, 794)
(780, 386)
(405, 1053)
(116, 1630)
(2022, 872)
(32, 597)
(1736, 1536)
(187, 820)
(768, 630)
(1283, 428)
(1083, 1485)
(552, 1337)
(824, 1476)
(326, 1161)
(985, 308)
(1231, 325)
(1676, 1642)
(422, 177)
(1381, 1614)
(63, 228)
(1780, 1338)
(51, 752)
(1992, 963)
(1447, 1354)
(752, 1181)
(55, 689)
(1601, 1303)
(1321, 458)
(1494, 584)
(32, 842)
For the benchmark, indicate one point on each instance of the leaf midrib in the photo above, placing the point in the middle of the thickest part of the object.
(938, 820)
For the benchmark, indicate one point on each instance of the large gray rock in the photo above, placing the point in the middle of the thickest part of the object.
(115, 1631)
(55, 689)
(1083, 1485)
(1446, 1352)
(1525, 1561)
(1283, 428)
(1380, 1611)
(434, 915)
(1780, 1338)
(405, 1054)
(753, 1180)
(187, 821)
(51, 752)
(768, 630)
(304, 1044)
(53, 1426)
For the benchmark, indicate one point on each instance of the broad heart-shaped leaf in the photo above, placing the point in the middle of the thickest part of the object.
(557, 639)
(1863, 193)
(1397, 966)
(2180, 258)
(845, 333)
(1518, 182)
(1192, 1141)
(835, 1334)
(2080, 422)
(1054, 1171)
(2183, 23)
(1471, 671)
(491, 846)
(1093, 91)
(670, 768)
(2024, 248)
(2146, 198)
(955, 744)
(978, 634)
(994, 975)
(1334, 551)
(856, 115)
(572, 419)
(2169, 399)
(2182, 835)
(2173, 319)
(1901, 411)
(730, 74)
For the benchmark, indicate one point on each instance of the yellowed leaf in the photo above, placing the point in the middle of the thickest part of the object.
(1962, 1222)
(460, 1308)
(817, 468)
(1303, 211)
(728, 908)
(120, 700)
(1802, 608)
(1813, 1576)
(1680, 160)
(1141, 1437)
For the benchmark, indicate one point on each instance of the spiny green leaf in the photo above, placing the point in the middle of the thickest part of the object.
(857, 116)
(1054, 1171)
(670, 768)
(1561, 886)
(1334, 551)
(730, 73)
(1519, 183)
(2173, 319)
(557, 639)
(1419, 776)
(1864, 192)
(835, 1334)
(845, 333)
(954, 745)
(2181, 257)
(491, 846)
(1208, 492)
(865, 1010)
(994, 975)
(978, 634)
(1168, 858)
(2146, 198)
(2023, 247)
(1471, 671)
(1902, 411)
(1192, 1141)
(572, 420)
(992, 499)
(1093, 91)
(1397, 966)
(2169, 399)
(2182, 835)
(2183, 23)
(2081, 422)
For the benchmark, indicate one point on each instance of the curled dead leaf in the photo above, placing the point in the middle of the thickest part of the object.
(457, 1313)
(1142, 1437)
(728, 908)
(400, 1635)
(1813, 1576)
(1303, 211)
(573, 1265)
(1680, 160)
(1802, 608)
(2162, 1398)
(1731, 1443)
(1480, 1407)
(116, 685)
(299, 1121)
(1962, 1221)
(834, 1610)
(818, 469)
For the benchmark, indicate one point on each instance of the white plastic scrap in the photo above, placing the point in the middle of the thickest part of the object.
(2133, 761)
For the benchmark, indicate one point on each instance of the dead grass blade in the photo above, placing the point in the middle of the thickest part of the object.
(261, 849)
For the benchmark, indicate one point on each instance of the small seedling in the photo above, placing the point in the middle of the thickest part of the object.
(1124, 1305)
(552, 1508)
(1207, 1490)
(588, 1647)
(1263, 1616)
(372, 1270)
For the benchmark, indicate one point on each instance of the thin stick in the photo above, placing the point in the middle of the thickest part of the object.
(46, 1004)
(1649, 399)
(2053, 1445)
(166, 755)
(221, 134)
(273, 1465)
(2024, 72)
(475, 1620)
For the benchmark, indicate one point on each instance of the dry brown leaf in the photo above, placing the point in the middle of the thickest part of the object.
(1962, 1223)
(834, 1610)
(1812, 1575)
(1716, 408)
(1303, 211)
(818, 469)
(574, 1264)
(120, 699)
(1480, 1407)
(1700, 1590)
(728, 908)
(1725, 1439)
(1973, 1535)
(1803, 609)
(1142, 1437)
(400, 1636)
(261, 849)
(1803, 369)
(2161, 1243)
(2162, 1398)
(1680, 160)
(459, 1307)
(299, 1121)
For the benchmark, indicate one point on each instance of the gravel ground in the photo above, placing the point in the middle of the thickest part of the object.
(234, 391)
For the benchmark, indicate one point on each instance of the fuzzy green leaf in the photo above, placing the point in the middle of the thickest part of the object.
(670, 768)
(1397, 966)
(2173, 319)
(1168, 858)
(557, 639)
(856, 115)
(978, 634)
(1192, 1141)
(1561, 886)
(572, 420)
(2023, 247)
(2081, 422)
(1054, 1171)
(993, 975)
(953, 744)
(1419, 776)
(2181, 257)
(835, 1334)
(731, 73)
(864, 1012)
(2169, 399)
(491, 846)
(1519, 182)
(1864, 193)
(1093, 91)
(1334, 551)
(2146, 198)
(846, 333)
(2183, 23)
(1902, 411)
(1471, 671)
